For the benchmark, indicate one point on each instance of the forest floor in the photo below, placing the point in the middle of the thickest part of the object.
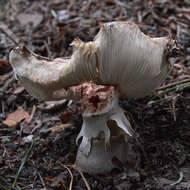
(30, 134)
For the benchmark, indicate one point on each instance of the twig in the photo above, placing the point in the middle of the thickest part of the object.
(22, 164)
(7, 83)
(174, 109)
(169, 98)
(32, 113)
(80, 172)
(173, 84)
(84, 179)
(9, 34)
(70, 173)
(37, 126)
(5, 151)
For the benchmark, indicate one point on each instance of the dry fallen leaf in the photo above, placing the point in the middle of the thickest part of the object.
(14, 118)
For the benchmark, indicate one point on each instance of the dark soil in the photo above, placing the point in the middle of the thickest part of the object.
(162, 122)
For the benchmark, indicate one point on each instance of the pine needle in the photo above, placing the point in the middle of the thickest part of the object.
(170, 89)
(22, 163)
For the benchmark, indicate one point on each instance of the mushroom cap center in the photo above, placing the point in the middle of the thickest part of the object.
(97, 99)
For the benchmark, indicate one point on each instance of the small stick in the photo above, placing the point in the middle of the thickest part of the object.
(173, 84)
(78, 170)
(6, 85)
(41, 179)
(39, 124)
(32, 113)
(4, 152)
(70, 173)
(174, 109)
(8, 34)
(84, 179)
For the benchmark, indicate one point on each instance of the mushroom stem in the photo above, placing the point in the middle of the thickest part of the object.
(105, 132)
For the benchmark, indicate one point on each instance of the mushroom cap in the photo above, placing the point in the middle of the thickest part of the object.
(120, 55)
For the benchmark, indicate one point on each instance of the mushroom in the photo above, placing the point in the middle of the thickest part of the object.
(121, 61)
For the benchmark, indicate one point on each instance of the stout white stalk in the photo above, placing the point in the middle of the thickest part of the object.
(120, 57)
(105, 131)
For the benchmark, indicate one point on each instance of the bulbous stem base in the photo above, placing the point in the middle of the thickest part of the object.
(101, 161)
